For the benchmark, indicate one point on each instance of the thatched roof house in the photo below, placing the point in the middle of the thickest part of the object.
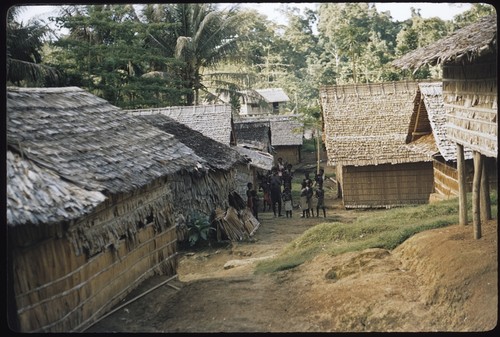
(253, 134)
(214, 121)
(262, 101)
(468, 57)
(366, 128)
(469, 61)
(93, 200)
(286, 135)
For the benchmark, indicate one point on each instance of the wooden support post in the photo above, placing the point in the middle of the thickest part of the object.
(476, 187)
(462, 185)
(485, 194)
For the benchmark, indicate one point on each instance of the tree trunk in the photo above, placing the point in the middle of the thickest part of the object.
(485, 194)
(476, 187)
(462, 187)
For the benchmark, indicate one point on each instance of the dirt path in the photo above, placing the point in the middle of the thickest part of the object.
(438, 280)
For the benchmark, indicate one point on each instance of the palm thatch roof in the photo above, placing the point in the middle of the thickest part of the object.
(434, 112)
(286, 130)
(86, 142)
(273, 95)
(213, 121)
(253, 134)
(367, 124)
(218, 156)
(36, 195)
(465, 44)
(258, 159)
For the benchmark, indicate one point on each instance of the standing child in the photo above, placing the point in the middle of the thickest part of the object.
(320, 195)
(303, 200)
(310, 194)
(287, 200)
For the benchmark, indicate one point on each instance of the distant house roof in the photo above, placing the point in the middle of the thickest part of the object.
(286, 130)
(258, 159)
(213, 121)
(217, 155)
(87, 142)
(253, 134)
(432, 94)
(468, 42)
(367, 124)
(273, 95)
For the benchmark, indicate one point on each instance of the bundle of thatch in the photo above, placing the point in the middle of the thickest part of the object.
(236, 225)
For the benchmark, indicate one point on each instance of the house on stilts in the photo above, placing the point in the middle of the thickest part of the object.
(468, 58)
(94, 197)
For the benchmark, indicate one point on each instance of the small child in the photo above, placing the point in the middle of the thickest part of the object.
(320, 195)
(310, 194)
(303, 200)
(287, 200)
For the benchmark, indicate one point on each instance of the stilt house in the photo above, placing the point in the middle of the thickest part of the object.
(469, 62)
(92, 198)
(366, 128)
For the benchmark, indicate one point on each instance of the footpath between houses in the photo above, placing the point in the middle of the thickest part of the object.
(438, 280)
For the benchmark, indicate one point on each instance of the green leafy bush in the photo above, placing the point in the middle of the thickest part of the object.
(199, 228)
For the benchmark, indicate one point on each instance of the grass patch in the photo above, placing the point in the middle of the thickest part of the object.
(376, 229)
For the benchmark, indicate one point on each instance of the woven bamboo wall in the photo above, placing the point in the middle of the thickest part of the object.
(386, 185)
(66, 282)
(470, 100)
(57, 291)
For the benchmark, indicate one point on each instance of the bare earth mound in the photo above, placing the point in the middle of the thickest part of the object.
(438, 280)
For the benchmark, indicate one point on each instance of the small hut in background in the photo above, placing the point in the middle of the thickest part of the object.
(253, 134)
(286, 135)
(91, 193)
(366, 128)
(469, 61)
(262, 102)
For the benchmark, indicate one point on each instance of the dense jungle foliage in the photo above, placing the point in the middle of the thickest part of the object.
(139, 56)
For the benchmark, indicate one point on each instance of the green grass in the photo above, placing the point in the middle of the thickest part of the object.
(375, 229)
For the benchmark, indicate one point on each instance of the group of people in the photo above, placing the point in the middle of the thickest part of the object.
(307, 192)
(281, 175)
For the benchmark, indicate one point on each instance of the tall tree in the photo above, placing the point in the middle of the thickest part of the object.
(24, 45)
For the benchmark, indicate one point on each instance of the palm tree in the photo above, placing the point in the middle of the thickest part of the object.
(204, 37)
(23, 51)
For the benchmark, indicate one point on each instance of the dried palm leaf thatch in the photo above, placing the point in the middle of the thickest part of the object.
(213, 121)
(464, 44)
(218, 156)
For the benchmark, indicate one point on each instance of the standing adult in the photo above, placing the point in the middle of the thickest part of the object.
(276, 191)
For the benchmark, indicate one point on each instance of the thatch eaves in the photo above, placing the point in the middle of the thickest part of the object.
(91, 143)
(465, 44)
(258, 159)
(36, 195)
(217, 155)
(432, 94)
(367, 124)
(213, 120)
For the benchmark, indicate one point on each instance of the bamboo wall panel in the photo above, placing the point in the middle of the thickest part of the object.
(62, 284)
(290, 154)
(471, 103)
(386, 185)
